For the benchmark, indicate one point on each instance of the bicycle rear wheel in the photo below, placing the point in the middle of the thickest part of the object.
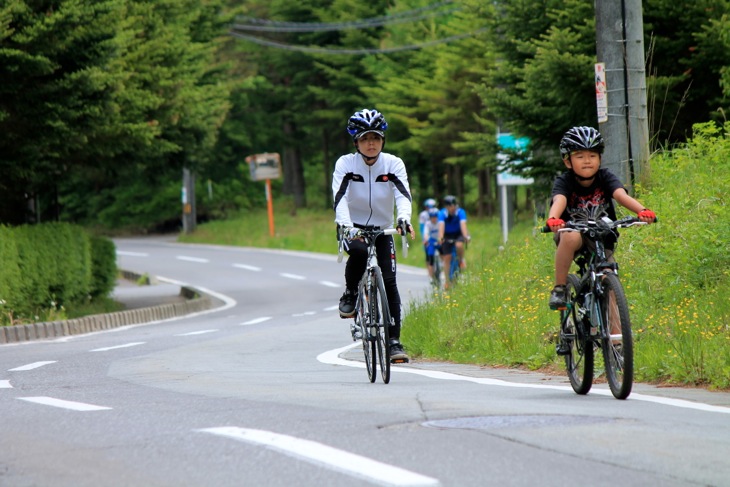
(579, 361)
(364, 318)
(381, 311)
(437, 271)
(616, 339)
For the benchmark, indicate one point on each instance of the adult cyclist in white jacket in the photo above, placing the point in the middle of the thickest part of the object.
(367, 185)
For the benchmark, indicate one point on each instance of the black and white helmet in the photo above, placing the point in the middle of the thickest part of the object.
(450, 200)
(365, 121)
(581, 138)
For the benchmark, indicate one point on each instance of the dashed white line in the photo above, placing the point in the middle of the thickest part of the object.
(306, 313)
(332, 308)
(201, 332)
(126, 345)
(32, 366)
(248, 267)
(5, 384)
(327, 456)
(132, 254)
(60, 403)
(329, 284)
(256, 320)
(192, 259)
(292, 276)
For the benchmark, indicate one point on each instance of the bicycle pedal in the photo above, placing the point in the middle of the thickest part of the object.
(399, 361)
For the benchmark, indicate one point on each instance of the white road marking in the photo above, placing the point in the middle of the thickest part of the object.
(292, 276)
(332, 308)
(60, 403)
(5, 384)
(201, 332)
(306, 313)
(248, 267)
(256, 320)
(32, 366)
(132, 254)
(333, 357)
(126, 345)
(327, 456)
(329, 284)
(192, 259)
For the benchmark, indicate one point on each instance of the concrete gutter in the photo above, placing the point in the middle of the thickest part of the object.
(187, 301)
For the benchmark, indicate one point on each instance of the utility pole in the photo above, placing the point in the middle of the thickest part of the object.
(620, 45)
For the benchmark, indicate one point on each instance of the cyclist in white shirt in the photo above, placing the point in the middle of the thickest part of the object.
(367, 186)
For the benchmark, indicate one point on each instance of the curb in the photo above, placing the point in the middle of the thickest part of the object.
(195, 301)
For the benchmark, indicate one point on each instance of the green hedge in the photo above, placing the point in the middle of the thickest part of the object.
(51, 265)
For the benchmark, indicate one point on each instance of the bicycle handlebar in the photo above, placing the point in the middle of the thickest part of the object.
(587, 225)
(370, 233)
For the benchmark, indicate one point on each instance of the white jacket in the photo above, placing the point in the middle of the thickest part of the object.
(365, 195)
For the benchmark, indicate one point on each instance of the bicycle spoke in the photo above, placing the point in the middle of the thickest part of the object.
(617, 342)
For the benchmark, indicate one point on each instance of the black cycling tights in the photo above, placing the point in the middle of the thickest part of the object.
(356, 263)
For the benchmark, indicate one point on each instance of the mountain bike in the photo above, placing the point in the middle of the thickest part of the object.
(372, 314)
(597, 312)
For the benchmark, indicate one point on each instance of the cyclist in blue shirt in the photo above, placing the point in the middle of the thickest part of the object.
(453, 232)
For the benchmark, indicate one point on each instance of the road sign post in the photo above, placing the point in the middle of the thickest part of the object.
(506, 180)
(265, 167)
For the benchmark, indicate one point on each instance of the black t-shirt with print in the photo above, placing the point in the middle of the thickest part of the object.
(600, 192)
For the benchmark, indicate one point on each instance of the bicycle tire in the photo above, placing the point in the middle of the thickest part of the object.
(382, 332)
(437, 271)
(579, 362)
(618, 356)
(363, 315)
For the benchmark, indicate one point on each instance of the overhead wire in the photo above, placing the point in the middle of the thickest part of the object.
(263, 25)
(384, 50)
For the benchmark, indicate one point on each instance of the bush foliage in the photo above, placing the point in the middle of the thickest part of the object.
(50, 266)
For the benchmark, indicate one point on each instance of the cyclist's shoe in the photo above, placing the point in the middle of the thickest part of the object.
(356, 331)
(397, 354)
(562, 348)
(347, 304)
(557, 298)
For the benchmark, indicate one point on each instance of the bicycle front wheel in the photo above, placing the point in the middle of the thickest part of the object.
(579, 361)
(364, 318)
(381, 311)
(616, 338)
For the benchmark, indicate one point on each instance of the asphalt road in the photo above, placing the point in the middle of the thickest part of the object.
(267, 390)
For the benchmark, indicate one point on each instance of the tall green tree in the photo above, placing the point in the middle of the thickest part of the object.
(55, 95)
(687, 64)
(170, 104)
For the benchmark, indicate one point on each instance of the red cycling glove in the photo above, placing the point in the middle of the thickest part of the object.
(647, 214)
(554, 222)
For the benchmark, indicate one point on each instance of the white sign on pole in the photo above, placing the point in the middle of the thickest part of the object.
(601, 93)
(264, 166)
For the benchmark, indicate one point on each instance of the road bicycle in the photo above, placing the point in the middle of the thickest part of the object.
(372, 320)
(454, 268)
(596, 314)
(437, 268)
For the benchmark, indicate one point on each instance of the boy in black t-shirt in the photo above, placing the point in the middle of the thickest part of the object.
(583, 186)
